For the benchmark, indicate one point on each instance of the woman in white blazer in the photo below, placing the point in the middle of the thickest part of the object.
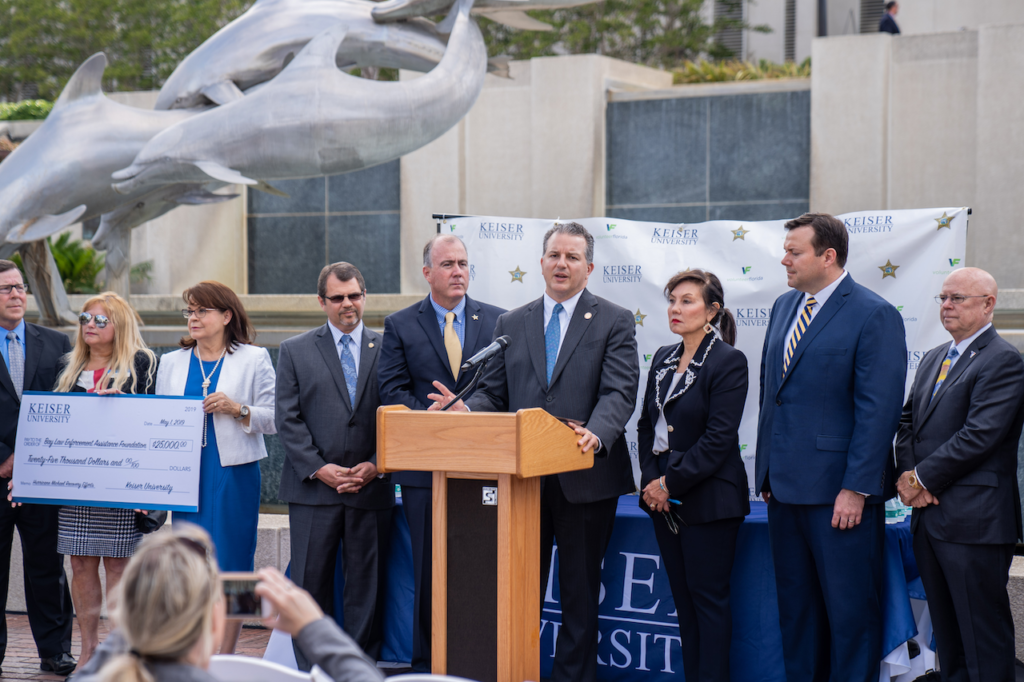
(236, 380)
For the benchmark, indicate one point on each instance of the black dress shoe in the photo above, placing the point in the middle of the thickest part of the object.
(62, 664)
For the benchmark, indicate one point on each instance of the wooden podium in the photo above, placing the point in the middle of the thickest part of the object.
(486, 528)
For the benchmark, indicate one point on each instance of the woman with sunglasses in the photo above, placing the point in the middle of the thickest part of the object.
(218, 362)
(691, 473)
(109, 357)
(171, 614)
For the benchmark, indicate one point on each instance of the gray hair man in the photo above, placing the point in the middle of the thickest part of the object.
(957, 458)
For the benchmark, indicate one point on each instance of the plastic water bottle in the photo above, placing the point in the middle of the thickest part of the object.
(895, 510)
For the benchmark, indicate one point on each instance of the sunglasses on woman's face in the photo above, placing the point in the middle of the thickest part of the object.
(86, 318)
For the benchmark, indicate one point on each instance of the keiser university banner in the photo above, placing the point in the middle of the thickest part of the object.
(901, 255)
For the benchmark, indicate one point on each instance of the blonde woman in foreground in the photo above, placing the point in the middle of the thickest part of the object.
(170, 618)
(109, 357)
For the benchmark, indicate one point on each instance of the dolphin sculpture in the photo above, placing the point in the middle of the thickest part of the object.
(114, 232)
(60, 174)
(509, 12)
(257, 45)
(315, 120)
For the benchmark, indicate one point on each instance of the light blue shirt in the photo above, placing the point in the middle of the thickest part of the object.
(821, 297)
(20, 331)
(568, 308)
(459, 323)
(355, 346)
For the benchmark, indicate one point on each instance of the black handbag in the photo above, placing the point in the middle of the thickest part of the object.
(147, 523)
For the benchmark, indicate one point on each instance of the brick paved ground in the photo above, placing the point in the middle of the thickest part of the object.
(22, 660)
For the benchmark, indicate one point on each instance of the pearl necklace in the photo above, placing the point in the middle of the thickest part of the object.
(688, 377)
(206, 381)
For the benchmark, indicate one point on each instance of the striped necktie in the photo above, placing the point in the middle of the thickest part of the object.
(944, 370)
(802, 322)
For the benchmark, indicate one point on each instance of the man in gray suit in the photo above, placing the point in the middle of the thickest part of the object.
(574, 355)
(957, 455)
(327, 399)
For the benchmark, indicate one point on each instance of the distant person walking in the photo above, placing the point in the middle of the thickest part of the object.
(887, 24)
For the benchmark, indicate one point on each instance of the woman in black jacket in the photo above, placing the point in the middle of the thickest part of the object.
(691, 473)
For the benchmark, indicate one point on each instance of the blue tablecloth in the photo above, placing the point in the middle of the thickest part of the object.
(639, 633)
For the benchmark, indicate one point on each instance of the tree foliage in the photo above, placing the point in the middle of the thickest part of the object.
(658, 33)
(42, 42)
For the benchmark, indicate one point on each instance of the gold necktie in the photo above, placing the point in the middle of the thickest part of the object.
(452, 345)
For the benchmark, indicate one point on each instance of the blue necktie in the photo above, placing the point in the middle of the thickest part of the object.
(944, 369)
(552, 335)
(348, 365)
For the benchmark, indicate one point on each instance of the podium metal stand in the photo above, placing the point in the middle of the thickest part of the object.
(491, 548)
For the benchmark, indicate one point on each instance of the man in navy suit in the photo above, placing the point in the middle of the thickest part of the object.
(833, 371)
(887, 24)
(423, 343)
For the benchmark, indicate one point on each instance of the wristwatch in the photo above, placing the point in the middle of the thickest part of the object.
(914, 483)
(243, 412)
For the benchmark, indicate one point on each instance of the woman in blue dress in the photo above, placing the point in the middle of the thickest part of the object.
(218, 362)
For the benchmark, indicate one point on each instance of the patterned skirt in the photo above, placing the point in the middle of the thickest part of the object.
(97, 531)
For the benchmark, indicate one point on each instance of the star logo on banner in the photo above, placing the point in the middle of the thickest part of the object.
(739, 234)
(517, 274)
(638, 318)
(944, 221)
(888, 270)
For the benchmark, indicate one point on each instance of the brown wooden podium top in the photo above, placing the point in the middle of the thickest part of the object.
(527, 443)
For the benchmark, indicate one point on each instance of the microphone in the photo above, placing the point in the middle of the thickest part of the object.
(486, 354)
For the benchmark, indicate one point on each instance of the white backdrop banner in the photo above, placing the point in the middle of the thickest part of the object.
(901, 255)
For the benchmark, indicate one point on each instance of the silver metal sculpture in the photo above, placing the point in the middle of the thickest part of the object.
(286, 111)
(60, 175)
(313, 119)
(256, 46)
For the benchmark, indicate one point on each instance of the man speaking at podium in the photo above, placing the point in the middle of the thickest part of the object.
(574, 355)
(425, 342)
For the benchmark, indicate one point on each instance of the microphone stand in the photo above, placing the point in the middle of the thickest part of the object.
(469, 386)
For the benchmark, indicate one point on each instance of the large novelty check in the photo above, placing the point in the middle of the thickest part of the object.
(127, 451)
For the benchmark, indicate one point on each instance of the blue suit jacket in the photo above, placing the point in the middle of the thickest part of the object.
(412, 357)
(829, 424)
(888, 25)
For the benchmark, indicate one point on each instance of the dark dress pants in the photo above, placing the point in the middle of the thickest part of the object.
(47, 598)
(698, 562)
(316, 533)
(582, 532)
(969, 606)
(829, 585)
(418, 509)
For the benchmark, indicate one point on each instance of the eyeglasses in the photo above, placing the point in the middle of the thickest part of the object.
(956, 299)
(355, 298)
(86, 318)
(8, 288)
(673, 520)
(199, 313)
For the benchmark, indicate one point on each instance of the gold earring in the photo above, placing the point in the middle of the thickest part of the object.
(708, 328)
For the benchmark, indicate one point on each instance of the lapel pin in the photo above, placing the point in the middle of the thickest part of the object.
(371, 344)
(973, 353)
(588, 316)
(476, 317)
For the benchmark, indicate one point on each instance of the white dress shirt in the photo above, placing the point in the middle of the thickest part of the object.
(355, 346)
(568, 308)
(661, 428)
(821, 297)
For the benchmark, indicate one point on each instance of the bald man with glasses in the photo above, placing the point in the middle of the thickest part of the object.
(956, 456)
